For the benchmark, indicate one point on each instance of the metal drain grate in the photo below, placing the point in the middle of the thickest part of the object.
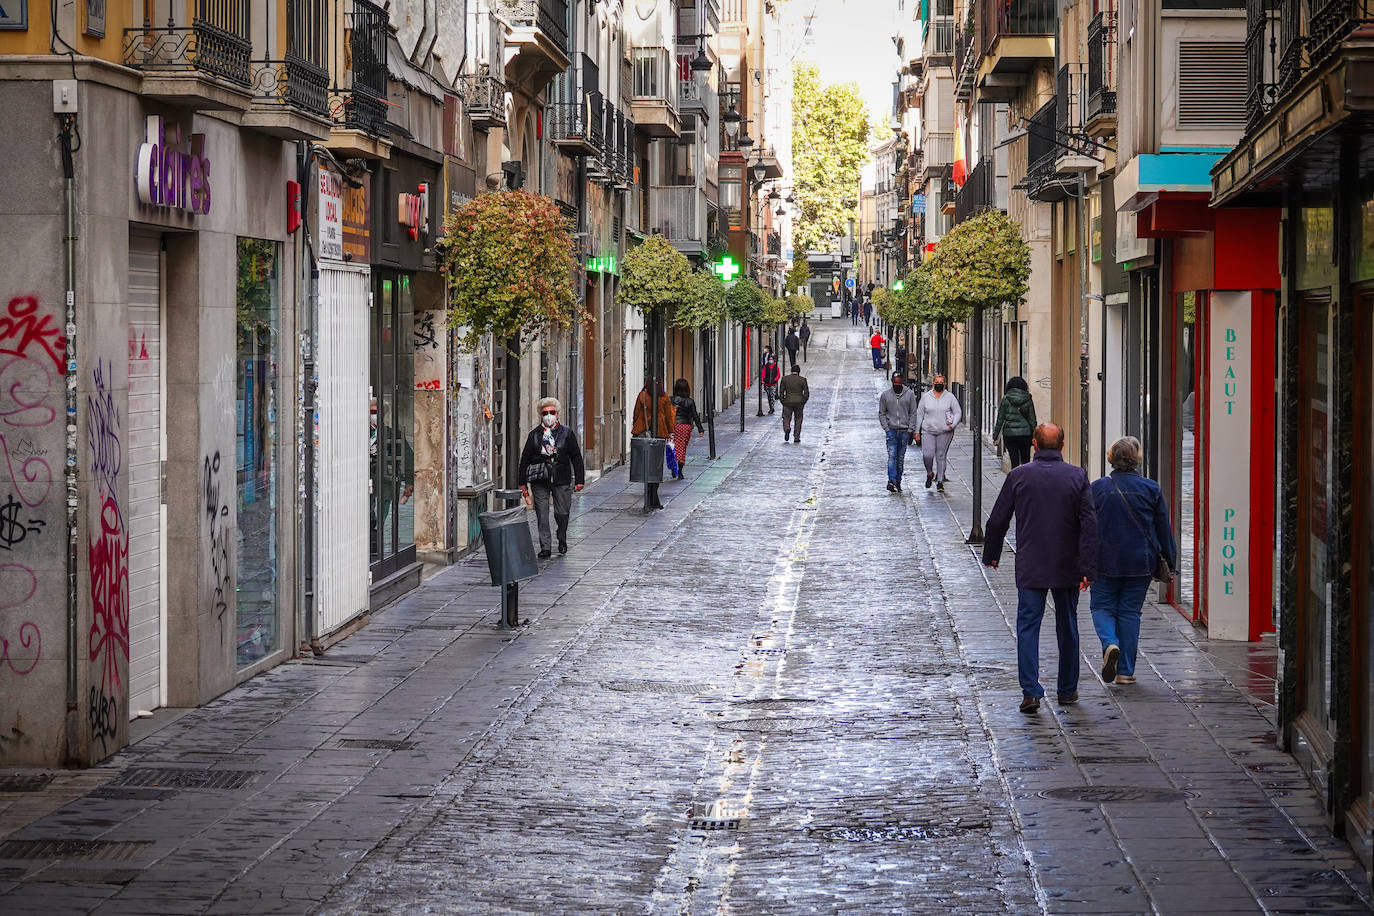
(124, 793)
(1109, 758)
(714, 823)
(773, 702)
(376, 744)
(1098, 795)
(340, 660)
(777, 650)
(218, 756)
(894, 833)
(665, 687)
(774, 724)
(187, 779)
(72, 849)
(24, 782)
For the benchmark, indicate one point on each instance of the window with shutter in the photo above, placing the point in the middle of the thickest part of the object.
(1212, 84)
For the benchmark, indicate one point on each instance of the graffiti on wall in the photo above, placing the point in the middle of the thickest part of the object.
(429, 351)
(107, 554)
(217, 518)
(33, 352)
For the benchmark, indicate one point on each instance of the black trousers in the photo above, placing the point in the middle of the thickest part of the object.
(1018, 448)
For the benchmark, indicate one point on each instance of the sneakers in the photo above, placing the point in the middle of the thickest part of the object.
(545, 554)
(786, 438)
(1109, 658)
(930, 478)
(940, 486)
(1030, 704)
(1125, 679)
(1068, 699)
(891, 487)
(899, 486)
(562, 547)
(797, 440)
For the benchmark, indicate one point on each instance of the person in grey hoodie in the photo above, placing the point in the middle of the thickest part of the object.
(937, 413)
(897, 417)
(1016, 421)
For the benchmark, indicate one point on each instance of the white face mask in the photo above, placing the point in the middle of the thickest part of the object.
(550, 420)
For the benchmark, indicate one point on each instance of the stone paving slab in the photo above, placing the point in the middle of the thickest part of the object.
(789, 692)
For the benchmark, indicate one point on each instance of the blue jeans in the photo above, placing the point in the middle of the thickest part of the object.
(1030, 610)
(897, 440)
(877, 357)
(1116, 602)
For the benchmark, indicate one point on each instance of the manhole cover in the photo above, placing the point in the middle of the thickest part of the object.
(71, 849)
(1098, 795)
(1110, 758)
(24, 782)
(894, 833)
(780, 724)
(776, 650)
(376, 744)
(187, 779)
(122, 793)
(666, 687)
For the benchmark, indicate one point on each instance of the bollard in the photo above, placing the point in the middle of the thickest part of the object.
(510, 553)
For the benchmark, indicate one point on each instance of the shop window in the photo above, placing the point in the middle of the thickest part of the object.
(257, 632)
(391, 447)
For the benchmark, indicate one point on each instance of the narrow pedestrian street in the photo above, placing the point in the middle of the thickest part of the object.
(789, 692)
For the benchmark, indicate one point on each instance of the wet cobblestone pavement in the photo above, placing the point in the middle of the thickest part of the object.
(790, 692)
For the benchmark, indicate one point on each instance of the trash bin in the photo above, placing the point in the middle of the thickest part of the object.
(646, 459)
(510, 549)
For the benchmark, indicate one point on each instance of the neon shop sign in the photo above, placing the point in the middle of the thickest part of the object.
(171, 172)
(413, 212)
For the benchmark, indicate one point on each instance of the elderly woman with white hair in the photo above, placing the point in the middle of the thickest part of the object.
(550, 470)
(1133, 535)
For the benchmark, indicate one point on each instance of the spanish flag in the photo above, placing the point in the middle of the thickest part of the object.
(960, 156)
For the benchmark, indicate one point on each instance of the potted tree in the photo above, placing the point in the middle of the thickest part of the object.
(703, 312)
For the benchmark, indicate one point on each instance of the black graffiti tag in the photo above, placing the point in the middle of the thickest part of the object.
(14, 529)
(217, 516)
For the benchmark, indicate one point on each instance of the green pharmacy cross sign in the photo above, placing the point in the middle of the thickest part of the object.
(898, 286)
(726, 269)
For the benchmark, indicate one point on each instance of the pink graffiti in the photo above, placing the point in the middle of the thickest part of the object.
(108, 557)
(22, 394)
(28, 630)
(21, 327)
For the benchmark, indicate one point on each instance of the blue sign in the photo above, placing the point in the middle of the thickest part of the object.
(918, 204)
(14, 15)
(849, 284)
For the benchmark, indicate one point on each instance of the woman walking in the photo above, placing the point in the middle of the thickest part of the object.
(1016, 421)
(687, 416)
(550, 470)
(1133, 536)
(640, 428)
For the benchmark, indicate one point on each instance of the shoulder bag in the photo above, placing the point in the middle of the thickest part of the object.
(1162, 572)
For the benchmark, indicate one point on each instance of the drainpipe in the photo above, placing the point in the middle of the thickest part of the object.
(1083, 320)
(309, 386)
(67, 124)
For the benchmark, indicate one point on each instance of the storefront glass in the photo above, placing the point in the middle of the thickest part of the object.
(259, 326)
(1315, 517)
(392, 445)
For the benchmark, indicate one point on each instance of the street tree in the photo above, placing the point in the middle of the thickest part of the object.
(981, 263)
(654, 276)
(830, 132)
(799, 276)
(507, 259)
(746, 303)
(705, 305)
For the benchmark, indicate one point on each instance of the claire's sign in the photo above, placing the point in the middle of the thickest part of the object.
(172, 172)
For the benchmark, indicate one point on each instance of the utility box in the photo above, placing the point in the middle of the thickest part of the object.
(510, 549)
(646, 459)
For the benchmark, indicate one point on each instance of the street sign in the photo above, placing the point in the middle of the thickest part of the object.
(849, 284)
(918, 204)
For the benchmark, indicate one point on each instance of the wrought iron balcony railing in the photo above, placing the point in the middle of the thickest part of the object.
(655, 75)
(1102, 64)
(216, 43)
(549, 16)
(1070, 93)
(291, 83)
(360, 104)
(485, 99)
(979, 192)
(939, 37)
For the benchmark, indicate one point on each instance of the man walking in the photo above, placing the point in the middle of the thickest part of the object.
(791, 343)
(1056, 551)
(805, 335)
(868, 312)
(854, 311)
(794, 393)
(897, 417)
(875, 343)
(936, 416)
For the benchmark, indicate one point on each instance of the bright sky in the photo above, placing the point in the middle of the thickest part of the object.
(853, 43)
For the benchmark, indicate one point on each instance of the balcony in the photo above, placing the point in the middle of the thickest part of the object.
(938, 151)
(358, 106)
(1101, 119)
(678, 213)
(965, 62)
(695, 98)
(654, 92)
(1013, 36)
(539, 38)
(1070, 106)
(291, 94)
(948, 199)
(203, 65)
(979, 192)
(937, 48)
(570, 123)
(1042, 181)
(485, 99)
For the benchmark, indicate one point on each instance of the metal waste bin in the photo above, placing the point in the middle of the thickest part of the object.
(646, 459)
(510, 549)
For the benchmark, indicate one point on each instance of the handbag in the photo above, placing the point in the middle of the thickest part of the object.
(1161, 573)
(539, 472)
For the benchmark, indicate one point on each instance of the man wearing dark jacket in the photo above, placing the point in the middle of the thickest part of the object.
(791, 343)
(794, 393)
(1056, 551)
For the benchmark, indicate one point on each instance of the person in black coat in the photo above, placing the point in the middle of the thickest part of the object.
(1056, 551)
(550, 470)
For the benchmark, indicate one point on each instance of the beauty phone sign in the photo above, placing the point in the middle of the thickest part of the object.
(170, 172)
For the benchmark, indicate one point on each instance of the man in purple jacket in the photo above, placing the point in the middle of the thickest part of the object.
(1056, 551)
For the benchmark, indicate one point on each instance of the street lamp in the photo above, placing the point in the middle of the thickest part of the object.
(731, 120)
(760, 170)
(701, 63)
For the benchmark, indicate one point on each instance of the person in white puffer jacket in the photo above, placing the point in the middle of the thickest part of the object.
(936, 416)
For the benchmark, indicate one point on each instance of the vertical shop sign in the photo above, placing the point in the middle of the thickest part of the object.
(1228, 487)
(357, 231)
(331, 215)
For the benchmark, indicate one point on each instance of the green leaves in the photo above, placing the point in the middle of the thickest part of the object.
(799, 276)
(799, 305)
(654, 275)
(830, 132)
(508, 259)
(705, 306)
(746, 302)
(982, 262)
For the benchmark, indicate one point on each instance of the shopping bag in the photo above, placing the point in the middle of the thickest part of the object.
(670, 455)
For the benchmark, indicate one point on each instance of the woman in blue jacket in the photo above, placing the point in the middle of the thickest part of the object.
(1133, 532)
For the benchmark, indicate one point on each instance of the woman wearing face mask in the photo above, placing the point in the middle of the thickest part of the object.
(550, 470)
(936, 416)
